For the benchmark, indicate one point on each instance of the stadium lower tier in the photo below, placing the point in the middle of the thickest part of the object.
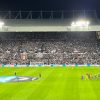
(67, 48)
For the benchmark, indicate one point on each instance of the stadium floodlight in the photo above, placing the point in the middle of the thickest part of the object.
(1, 24)
(80, 23)
(73, 24)
(88, 23)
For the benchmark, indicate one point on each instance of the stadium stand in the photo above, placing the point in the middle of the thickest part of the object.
(49, 48)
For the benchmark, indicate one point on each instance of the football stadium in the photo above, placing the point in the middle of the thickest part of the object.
(49, 55)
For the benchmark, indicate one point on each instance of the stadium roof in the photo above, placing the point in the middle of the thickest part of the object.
(29, 21)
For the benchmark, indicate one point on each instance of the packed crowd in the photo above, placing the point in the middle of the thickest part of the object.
(49, 51)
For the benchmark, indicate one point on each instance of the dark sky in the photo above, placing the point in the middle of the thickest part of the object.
(50, 5)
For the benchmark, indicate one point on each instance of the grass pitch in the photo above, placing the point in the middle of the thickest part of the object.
(56, 83)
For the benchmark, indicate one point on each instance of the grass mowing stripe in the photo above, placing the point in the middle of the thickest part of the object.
(42, 90)
(71, 87)
(58, 84)
(86, 91)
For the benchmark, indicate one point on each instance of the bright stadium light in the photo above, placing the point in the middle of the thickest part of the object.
(1, 24)
(88, 23)
(73, 24)
(80, 23)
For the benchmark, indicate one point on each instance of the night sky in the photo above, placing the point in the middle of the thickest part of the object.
(50, 5)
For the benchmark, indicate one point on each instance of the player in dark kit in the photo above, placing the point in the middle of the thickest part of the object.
(82, 77)
(15, 73)
(39, 75)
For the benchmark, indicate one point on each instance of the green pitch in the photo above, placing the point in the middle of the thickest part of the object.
(56, 83)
